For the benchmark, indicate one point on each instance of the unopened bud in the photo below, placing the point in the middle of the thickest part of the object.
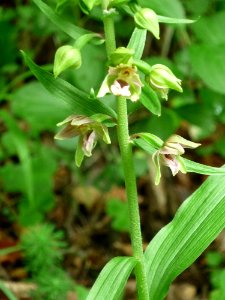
(66, 57)
(161, 79)
(121, 55)
(146, 18)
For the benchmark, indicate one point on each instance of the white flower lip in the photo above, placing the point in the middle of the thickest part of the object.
(118, 88)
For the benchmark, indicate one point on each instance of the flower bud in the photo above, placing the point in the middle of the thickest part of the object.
(161, 79)
(121, 55)
(146, 18)
(66, 57)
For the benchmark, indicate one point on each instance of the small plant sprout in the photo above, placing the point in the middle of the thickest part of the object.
(201, 217)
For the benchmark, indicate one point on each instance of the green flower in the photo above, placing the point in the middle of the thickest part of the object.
(170, 155)
(88, 131)
(161, 79)
(122, 80)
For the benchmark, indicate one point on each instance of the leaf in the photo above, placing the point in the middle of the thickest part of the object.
(150, 100)
(118, 211)
(34, 104)
(168, 20)
(21, 146)
(75, 98)
(70, 29)
(112, 279)
(213, 72)
(165, 7)
(210, 29)
(196, 224)
(6, 291)
(195, 167)
(137, 42)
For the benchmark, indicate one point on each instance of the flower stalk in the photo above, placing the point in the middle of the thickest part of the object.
(129, 172)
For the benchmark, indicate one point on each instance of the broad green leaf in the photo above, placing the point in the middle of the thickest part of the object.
(137, 42)
(6, 291)
(213, 72)
(210, 30)
(40, 109)
(150, 100)
(196, 224)
(75, 98)
(112, 279)
(70, 29)
(169, 20)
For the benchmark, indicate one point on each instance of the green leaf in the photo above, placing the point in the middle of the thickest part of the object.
(37, 109)
(150, 100)
(6, 291)
(137, 42)
(168, 8)
(195, 167)
(196, 224)
(168, 20)
(112, 279)
(210, 29)
(213, 72)
(21, 146)
(118, 211)
(70, 29)
(75, 98)
(214, 259)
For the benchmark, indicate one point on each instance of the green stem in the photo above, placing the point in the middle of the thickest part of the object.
(128, 166)
(132, 197)
(109, 30)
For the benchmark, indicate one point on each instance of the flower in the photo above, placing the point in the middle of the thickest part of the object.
(122, 80)
(88, 131)
(170, 155)
(161, 79)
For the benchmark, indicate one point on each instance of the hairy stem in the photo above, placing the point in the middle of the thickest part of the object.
(110, 40)
(128, 166)
(132, 197)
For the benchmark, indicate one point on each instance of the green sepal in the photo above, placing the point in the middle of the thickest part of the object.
(79, 154)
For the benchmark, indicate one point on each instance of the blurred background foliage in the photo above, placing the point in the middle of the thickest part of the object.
(39, 182)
